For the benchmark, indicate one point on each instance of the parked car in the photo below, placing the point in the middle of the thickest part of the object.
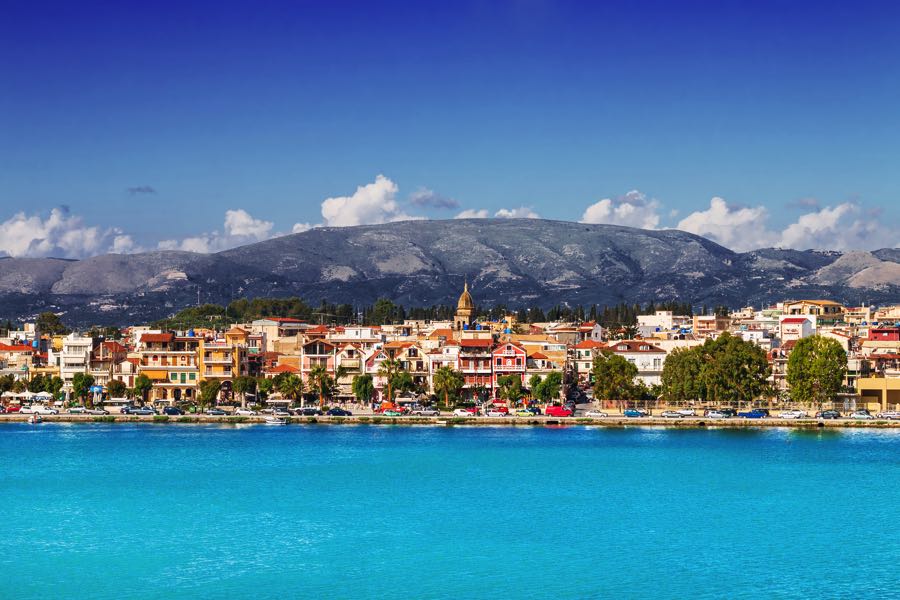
(861, 415)
(671, 414)
(172, 411)
(13, 408)
(558, 411)
(496, 413)
(140, 410)
(730, 412)
(792, 414)
(421, 411)
(97, 411)
(2, 410)
(634, 412)
(304, 411)
(392, 413)
(596, 414)
(500, 409)
(524, 412)
(244, 412)
(686, 412)
(339, 412)
(891, 415)
(716, 414)
(462, 412)
(756, 413)
(40, 409)
(77, 410)
(828, 414)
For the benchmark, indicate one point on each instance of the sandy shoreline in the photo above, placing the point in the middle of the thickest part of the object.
(541, 421)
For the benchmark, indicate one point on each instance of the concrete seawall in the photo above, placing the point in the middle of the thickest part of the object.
(613, 421)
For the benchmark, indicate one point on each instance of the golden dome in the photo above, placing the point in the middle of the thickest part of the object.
(465, 299)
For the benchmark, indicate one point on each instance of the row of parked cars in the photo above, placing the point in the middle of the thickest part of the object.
(763, 413)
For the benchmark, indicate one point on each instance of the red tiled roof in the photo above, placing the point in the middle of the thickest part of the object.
(114, 347)
(317, 329)
(794, 320)
(476, 343)
(538, 356)
(15, 348)
(588, 344)
(157, 337)
(283, 369)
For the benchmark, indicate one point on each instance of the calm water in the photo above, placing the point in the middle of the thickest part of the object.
(193, 511)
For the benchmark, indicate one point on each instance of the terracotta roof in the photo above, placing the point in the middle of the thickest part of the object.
(157, 337)
(15, 348)
(588, 344)
(794, 320)
(448, 333)
(283, 369)
(538, 356)
(476, 343)
(317, 329)
(114, 347)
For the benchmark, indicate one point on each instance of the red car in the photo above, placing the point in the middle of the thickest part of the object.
(501, 409)
(557, 411)
(12, 408)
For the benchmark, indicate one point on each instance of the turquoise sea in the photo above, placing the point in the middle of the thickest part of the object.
(202, 511)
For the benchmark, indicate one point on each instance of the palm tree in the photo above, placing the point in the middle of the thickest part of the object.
(447, 382)
(241, 386)
(321, 382)
(290, 386)
(389, 369)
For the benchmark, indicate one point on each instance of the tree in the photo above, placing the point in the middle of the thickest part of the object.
(448, 383)
(816, 369)
(548, 388)
(322, 383)
(389, 369)
(383, 312)
(50, 323)
(681, 375)
(290, 386)
(510, 388)
(734, 371)
(242, 386)
(81, 386)
(363, 388)
(613, 377)
(115, 388)
(264, 387)
(142, 387)
(18, 386)
(53, 385)
(36, 384)
(209, 391)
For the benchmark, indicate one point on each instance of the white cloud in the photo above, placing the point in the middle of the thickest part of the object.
(239, 228)
(633, 209)
(522, 212)
(738, 228)
(240, 223)
(370, 204)
(830, 228)
(123, 244)
(301, 227)
(472, 213)
(837, 228)
(59, 234)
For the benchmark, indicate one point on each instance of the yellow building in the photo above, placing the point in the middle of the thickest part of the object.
(823, 310)
(222, 359)
(879, 393)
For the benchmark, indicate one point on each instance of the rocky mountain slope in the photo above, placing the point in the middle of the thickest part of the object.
(514, 261)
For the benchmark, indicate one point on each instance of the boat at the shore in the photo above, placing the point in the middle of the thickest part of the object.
(275, 421)
(35, 419)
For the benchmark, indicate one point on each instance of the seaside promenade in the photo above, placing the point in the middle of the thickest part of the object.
(449, 420)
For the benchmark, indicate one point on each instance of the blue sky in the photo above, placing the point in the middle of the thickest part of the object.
(148, 121)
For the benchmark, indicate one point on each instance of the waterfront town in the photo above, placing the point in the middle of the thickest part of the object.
(285, 363)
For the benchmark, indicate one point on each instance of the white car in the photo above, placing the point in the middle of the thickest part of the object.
(77, 410)
(245, 412)
(496, 413)
(716, 414)
(461, 412)
(891, 415)
(686, 412)
(596, 414)
(861, 415)
(40, 409)
(792, 414)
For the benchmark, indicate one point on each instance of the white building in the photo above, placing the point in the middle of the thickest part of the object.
(662, 320)
(646, 357)
(75, 357)
(795, 328)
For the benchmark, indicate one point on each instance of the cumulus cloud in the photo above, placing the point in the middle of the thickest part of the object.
(735, 227)
(473, 213)
(633, 209)
(58, 234)
(301, 227)
(140, 189)
(522, 212)
(841, 227)
(429, 198)
(370, 204)
(239, 228)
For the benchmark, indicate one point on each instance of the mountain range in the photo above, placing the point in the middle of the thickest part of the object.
(419, 263)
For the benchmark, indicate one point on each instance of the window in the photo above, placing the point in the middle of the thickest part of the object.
(192, 376)
(174, 377)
